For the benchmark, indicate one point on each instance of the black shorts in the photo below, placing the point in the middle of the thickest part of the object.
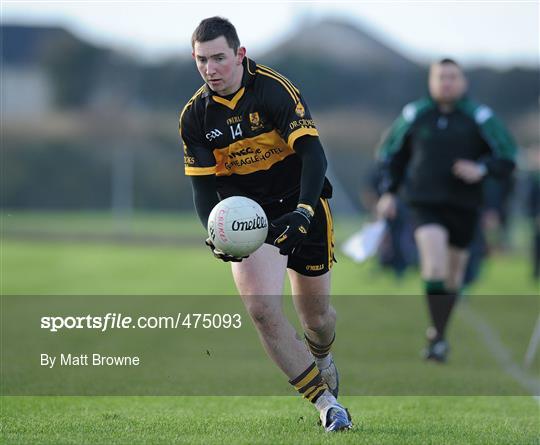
(460, 222)
(316, 254)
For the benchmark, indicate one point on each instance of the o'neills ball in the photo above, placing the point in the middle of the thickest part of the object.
(238, 226)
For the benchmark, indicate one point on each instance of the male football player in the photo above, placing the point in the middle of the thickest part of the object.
(248, 131)
(440, 148)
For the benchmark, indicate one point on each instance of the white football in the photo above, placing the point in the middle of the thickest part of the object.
(237, 226)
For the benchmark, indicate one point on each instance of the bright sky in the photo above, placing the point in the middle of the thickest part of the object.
(474, 32)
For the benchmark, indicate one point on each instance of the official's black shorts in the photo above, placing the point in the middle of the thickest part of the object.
(460, 222)
(316, 254)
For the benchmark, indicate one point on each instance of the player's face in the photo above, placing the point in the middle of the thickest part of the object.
(446, 83)
(219, 66)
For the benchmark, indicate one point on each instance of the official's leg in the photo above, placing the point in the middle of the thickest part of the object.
(464, 227)
(457, 263)
(432, 242)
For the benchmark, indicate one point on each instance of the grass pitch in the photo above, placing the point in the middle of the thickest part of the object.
(268, 420)
(85, 268)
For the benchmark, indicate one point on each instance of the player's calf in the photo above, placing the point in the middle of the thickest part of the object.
(325, 363)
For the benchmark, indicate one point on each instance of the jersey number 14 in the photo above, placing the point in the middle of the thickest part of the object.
(236, 131)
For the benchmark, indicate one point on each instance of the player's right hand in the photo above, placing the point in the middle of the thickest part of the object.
(387, 206)
(222, 255)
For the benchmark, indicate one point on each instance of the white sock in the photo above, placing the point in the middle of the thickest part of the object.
(323, 363)
(325, 400)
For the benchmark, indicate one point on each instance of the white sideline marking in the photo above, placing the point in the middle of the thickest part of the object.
(533, 345)
(499, 351)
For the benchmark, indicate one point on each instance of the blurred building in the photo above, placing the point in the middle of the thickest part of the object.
(26, 92)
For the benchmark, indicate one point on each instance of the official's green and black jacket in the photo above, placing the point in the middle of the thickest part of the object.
(422, 145)
(247, 140)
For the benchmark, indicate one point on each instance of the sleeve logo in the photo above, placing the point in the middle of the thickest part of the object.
(300, 110)
(213, 134)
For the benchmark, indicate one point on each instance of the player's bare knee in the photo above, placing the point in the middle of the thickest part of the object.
(263, 316)
(319, 322)
(258, 312)
(315, 323)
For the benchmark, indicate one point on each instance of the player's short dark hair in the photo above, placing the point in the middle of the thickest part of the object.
(448, 61)
(214, 27)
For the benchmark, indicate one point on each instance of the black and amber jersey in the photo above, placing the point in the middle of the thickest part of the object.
(247, 139)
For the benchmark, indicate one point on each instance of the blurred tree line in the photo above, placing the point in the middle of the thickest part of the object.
(111, 133)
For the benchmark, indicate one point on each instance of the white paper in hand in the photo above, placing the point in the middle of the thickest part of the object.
(364, 243)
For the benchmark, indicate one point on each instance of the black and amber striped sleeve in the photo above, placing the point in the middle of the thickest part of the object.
(199, 160)
(285, 106)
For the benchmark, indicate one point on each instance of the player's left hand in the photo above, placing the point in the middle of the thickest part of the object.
(291, 230)
(469, 171)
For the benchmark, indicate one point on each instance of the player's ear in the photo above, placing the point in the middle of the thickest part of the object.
(240, 54)
(193, 54)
